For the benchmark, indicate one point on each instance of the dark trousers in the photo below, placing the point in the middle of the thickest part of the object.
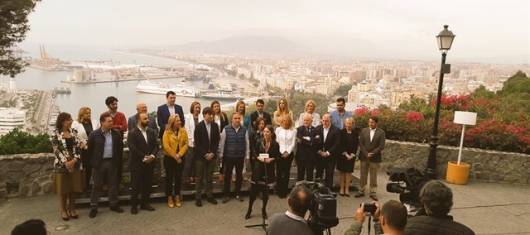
(106, 170)
(305, 167)
(85, 159)
(229, 165)
(204, 170)
(141, 182)
(189, 168)
(283, 173)
(328, 165)
(173, 175)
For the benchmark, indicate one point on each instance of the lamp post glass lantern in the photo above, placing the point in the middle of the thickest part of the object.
(445, 41)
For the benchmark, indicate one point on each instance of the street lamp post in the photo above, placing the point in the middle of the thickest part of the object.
(445, 40)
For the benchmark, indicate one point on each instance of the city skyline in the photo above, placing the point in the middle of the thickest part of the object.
(381, 30)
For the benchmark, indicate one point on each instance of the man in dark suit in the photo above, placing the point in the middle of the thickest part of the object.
(306, 146)
(143, 148)
(165, 110)
(328, 138)
(206, 137)
(371, 144)
(105, 148)
(260, 106)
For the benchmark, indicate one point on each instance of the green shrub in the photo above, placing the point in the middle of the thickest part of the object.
(17, 141)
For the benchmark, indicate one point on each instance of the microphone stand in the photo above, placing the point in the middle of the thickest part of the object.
(263, 223)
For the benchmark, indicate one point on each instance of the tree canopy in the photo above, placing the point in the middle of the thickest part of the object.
(13, 28)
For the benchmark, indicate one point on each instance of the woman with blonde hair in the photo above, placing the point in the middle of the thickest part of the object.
(241, 109)
(345, 162)
(310, 106)
(286, 137)
(281, 109)
(175, 145)
(84, 126)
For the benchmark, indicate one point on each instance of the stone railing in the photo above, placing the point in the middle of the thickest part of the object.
(32, 174)
(486, 165)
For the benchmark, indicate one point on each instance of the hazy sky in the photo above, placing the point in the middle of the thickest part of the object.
(497, 30)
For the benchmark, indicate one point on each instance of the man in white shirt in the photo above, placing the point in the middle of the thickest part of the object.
(328, 149)
(371, 144)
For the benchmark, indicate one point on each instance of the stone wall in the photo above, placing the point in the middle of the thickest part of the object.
(23, 175)
(32, 174)
(486, 165)
(26, 175)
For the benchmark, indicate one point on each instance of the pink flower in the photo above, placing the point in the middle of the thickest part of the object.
(414, 116)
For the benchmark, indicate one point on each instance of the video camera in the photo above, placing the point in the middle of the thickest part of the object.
(408, 183)
(322, 208)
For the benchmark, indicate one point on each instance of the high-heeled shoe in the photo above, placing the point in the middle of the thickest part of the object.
(249, 212)
(73, 214)
(178, 201)
(65, 216)
(170, 202)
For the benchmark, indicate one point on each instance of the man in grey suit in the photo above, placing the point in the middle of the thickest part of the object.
(372, 143)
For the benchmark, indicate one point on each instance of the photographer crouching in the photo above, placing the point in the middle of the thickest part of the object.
(292, 221)
(389, 219)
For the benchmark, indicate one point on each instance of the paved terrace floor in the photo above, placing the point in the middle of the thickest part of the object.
(487, 208)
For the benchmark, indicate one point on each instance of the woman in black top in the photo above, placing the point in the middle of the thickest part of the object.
(263, 174)
(255, 137)
(84, 126)
(346, 161)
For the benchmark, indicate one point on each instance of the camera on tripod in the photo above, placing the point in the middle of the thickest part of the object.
(322, 208)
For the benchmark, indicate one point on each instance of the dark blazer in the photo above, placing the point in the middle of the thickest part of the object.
(203, 145)
(258, 175)
(96, 144)
(375, 146)
(139, 148)
(254, 115)
(133, 122)
(304, 147)
(332, 143)
(162, 115)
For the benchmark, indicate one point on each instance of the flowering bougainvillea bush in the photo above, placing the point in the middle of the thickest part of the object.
(503, 121)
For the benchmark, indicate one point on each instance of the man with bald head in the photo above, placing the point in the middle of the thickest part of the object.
(306, 149)
(141, 107)
(328, 138)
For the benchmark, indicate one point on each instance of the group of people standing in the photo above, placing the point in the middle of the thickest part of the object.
(195, 145)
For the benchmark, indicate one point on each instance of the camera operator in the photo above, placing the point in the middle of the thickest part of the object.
(390, 219)
(433, 219)
(292, 221)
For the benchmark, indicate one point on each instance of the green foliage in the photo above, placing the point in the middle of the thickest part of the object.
(13, 28)
(342, 91)
(17, 141)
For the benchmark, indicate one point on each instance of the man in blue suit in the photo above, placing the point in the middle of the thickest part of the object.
(165, 110)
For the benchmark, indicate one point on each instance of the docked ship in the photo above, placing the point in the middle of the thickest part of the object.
(162, 88)
(11, 118)
(219, 95)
